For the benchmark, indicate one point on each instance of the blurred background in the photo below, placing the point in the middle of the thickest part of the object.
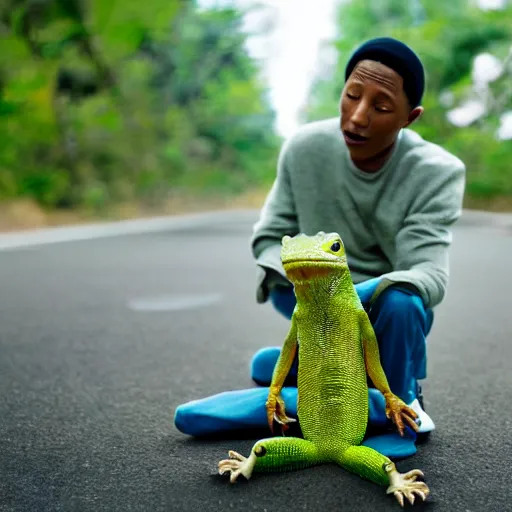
(112, 110)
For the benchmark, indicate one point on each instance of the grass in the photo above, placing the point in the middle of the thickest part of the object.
(25, 214)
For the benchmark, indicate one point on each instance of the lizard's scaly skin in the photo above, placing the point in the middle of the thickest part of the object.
(281, 456)
(337, 349)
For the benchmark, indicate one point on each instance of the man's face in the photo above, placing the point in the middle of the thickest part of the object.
(374, 108)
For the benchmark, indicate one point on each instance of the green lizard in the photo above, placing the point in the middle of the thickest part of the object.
(337, 348)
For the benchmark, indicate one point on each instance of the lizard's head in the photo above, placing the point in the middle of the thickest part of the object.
(307, 257)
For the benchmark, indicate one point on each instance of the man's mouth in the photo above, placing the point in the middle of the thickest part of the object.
(354, 139)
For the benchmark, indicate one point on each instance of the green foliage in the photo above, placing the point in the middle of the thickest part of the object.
(102, 101)
(447, 37)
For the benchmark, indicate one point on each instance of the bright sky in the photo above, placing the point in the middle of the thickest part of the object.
(289, 53)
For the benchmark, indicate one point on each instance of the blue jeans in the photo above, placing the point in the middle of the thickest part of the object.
(401, 324)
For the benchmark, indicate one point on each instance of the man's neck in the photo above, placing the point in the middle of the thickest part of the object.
(375, 163)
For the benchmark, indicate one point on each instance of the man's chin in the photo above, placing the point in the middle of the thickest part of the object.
(361, 153)
(367, 160)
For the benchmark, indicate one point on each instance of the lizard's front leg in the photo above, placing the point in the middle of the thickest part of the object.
(275, 404)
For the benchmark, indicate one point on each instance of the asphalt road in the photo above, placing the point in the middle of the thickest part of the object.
(101, 339)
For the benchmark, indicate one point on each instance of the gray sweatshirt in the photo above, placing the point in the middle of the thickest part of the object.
(395, 223)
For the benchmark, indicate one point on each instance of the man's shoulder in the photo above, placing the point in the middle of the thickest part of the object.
(423, 155)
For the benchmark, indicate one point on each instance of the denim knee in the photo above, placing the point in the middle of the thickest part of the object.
(401, 323)
(402, 304)
(283, 299)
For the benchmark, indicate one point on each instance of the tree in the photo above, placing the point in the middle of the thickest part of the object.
(448, 37)
(106, 102)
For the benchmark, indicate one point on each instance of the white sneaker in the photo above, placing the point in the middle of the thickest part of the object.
(426, 425)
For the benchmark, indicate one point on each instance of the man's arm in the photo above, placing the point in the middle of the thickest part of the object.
(423, 242)
(278, 218)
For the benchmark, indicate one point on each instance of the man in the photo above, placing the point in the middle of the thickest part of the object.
(392, 196)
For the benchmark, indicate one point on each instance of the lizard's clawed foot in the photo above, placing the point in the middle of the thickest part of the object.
(398, 412)
(276, 412)
(237, 465)
(405, 485)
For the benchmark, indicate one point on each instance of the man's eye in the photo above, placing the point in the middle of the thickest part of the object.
(335, 247)
(351, 96)
(382, 109)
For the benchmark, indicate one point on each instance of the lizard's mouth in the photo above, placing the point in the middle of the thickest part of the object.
(338, 263)
(308, 269)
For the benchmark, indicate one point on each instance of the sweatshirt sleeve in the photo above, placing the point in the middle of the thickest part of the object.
(423, 242)
(278, 217)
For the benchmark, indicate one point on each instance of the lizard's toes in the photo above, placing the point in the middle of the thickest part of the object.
(227, 464)
(398, 495)
(422, 494)
(410, 496)
(283, 419)
(412, 475)
(224, 466)
(237, 465)
(410, 491)
(405, 486)
(236, 455)
(234, 475)
(230, 466)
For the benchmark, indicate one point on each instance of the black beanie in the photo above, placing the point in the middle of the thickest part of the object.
(398, 56)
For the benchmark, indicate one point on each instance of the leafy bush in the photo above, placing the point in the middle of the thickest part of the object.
(102, 104)
(447, 37)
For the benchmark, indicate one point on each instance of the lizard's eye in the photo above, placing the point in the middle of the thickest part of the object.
(335, 247)
(260, 451)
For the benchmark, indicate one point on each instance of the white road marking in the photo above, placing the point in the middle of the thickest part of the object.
(45, 236)
(174, 302)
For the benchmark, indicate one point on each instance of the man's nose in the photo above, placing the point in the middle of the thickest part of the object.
(360, 115)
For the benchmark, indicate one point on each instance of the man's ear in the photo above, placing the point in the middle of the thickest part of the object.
(414, 114)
